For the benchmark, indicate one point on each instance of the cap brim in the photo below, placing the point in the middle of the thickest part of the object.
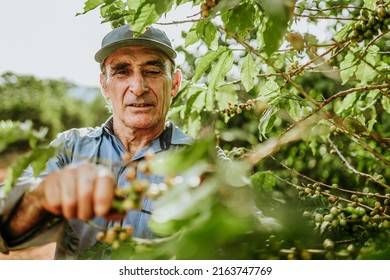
(102, 54)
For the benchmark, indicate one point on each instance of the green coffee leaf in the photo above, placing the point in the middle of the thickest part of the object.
(207, 31)
(248, 72)
(294, 109)
(386, 103)
(365, 73)
(343, 32)
(278, 15)
(220, 69)
(134, 4)
(145, 16)
(148, 13)
(176, 162)
(37, 159)
(264, 180)
(191, 36)
(90, 5)
(347, 67)
(267, 122)
(240, 19)
(217, 76)
(347, 103)
(226, 94)
(205, 62)
(13, 131)
(269, 91)
(195, 101)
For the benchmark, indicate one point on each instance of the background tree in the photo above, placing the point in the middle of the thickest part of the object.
(48, 103)
(32, 112)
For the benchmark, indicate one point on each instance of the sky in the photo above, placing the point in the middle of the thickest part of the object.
(44, 38)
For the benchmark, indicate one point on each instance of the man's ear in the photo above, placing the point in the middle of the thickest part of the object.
(176, 82)
(103, 86)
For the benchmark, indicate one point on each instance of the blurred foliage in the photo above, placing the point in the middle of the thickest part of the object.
(33, 111)
(296, 96)
(16, 132)
(47, 104)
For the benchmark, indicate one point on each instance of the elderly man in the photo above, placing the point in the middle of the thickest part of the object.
(138, 80)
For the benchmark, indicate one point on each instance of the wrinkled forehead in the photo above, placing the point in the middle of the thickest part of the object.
(136, 54)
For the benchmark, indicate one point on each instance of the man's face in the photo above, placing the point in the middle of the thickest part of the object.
(139, 83)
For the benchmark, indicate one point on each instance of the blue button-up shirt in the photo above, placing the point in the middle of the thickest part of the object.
(100, 146)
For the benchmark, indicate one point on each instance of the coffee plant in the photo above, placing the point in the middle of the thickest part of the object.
(295, 96)
(372, 23)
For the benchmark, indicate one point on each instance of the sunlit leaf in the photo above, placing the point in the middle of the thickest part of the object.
(207, 31)
(37, 159)
(226, 94)
(386, 103)
(191, 36)
(217, 76)
(295, 110)
(182, 203)
(180, 161)
(269, 91)
(148, 13)
(248, 72)
(278, 15)
(13, 131)
(134, 4)
(365, 73)
(204, 63)
(343, 32)
(145, 16)
(266, 122)
(348, 67)
(220, 69)
(264, 179)
(91, 4)
(347, 102)
(240, 19)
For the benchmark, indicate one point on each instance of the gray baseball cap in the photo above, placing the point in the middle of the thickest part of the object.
(123, 36)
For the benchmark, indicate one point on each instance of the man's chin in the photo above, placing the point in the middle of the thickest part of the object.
(139, 123)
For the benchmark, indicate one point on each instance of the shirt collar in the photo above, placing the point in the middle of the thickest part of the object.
(178, 138)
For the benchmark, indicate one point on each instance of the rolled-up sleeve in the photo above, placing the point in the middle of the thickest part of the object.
(41, 234)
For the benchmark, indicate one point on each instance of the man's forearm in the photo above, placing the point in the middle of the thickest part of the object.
(27, 216)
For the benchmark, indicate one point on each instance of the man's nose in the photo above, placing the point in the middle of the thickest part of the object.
(137, 84)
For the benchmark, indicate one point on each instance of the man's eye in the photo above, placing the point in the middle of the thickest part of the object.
(152, 73)
(121, 72)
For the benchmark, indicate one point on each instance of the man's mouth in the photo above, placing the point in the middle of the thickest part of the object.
(140, 105)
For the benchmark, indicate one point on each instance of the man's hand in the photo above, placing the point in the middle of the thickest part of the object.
(81, 191)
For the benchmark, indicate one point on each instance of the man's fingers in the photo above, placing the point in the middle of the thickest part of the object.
(51, 194)
(86, 181)
(103, 192)
(69, 192)
(82, 191)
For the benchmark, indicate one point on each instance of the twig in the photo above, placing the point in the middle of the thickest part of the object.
(372, 42)
(301, 68)
(270, 146)
(349, 166)
(179, 21)
(327, 17)
(324, 184)
(332, 8)
(339, 122)
(330, 187)
(335, 96)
